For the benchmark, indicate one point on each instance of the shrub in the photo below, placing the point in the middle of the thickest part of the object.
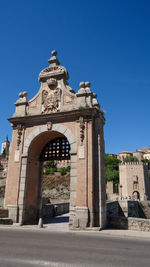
(50, 171)
(50, 164)
(63, 171)
(68, 169)
(130, 159)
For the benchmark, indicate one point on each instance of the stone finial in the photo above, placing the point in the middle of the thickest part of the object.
(81, 95)
(81, 91)
(54, 53)
(87, 87)
(87, 84)
(22, 98)
(94, 101)
(82, 84)
(94, 95)
(21, 105)
(53, 60)
(23, 94)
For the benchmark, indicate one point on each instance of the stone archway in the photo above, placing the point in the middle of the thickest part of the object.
(57, 110)
(28, 196)
(136, 195)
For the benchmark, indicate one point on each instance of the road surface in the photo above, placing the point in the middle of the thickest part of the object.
(70, 249)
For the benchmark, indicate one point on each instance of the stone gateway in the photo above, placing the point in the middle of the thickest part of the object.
(57, 113)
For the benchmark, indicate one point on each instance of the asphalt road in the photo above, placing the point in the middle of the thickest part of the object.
(42, 248)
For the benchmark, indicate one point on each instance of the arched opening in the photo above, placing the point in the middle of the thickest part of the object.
(136, 195)
(47, 148)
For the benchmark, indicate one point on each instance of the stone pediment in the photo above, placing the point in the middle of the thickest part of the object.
(55, 94)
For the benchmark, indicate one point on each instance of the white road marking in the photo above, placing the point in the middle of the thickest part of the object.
(39, 262)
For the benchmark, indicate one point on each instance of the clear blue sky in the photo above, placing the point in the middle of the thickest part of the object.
(105, 42)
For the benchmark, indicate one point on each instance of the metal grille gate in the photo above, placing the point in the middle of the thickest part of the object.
(56, 149)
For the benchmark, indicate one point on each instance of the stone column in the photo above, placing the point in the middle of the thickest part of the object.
(102, 182)
(21, 199)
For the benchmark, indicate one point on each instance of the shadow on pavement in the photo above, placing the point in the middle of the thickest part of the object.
(58, 219)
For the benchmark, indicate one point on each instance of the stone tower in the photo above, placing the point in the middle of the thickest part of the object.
(134, 181)
(5, 146)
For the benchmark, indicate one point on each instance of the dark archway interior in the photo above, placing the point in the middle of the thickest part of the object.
(136, 195)
(49, 146)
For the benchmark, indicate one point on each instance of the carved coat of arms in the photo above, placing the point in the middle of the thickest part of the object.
(50, 101)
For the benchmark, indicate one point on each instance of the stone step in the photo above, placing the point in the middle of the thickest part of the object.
(6, 221)
(3, 213)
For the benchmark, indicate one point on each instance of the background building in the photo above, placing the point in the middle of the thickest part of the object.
(5, 146)
(134, 181)
(134, 177)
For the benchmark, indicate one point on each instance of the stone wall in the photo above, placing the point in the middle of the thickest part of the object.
(127, 208)
(50, 210)
(112, 208)
(135, 210)
(139, 224)
(127, 214)
(145, 205)
(136, 224)
(110, 195)
(117, 222)
(3, 213)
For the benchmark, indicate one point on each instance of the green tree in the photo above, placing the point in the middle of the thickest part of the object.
(112, 169)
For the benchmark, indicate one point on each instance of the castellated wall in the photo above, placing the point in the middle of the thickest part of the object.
(134, 180)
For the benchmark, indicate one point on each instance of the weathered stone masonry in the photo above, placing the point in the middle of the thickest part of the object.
(57, 111)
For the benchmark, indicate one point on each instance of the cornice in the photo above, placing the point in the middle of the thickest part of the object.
(66, 116)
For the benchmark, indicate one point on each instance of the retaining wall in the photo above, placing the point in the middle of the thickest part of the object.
(3, 213)
(145, 205)
(136, 224)
(51, 210)
(128, 208)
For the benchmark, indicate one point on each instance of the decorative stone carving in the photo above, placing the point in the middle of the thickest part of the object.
(49, 126)
(54, 70)
(19, 132)
(51, 82)
(50, 101)
(82, 127)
